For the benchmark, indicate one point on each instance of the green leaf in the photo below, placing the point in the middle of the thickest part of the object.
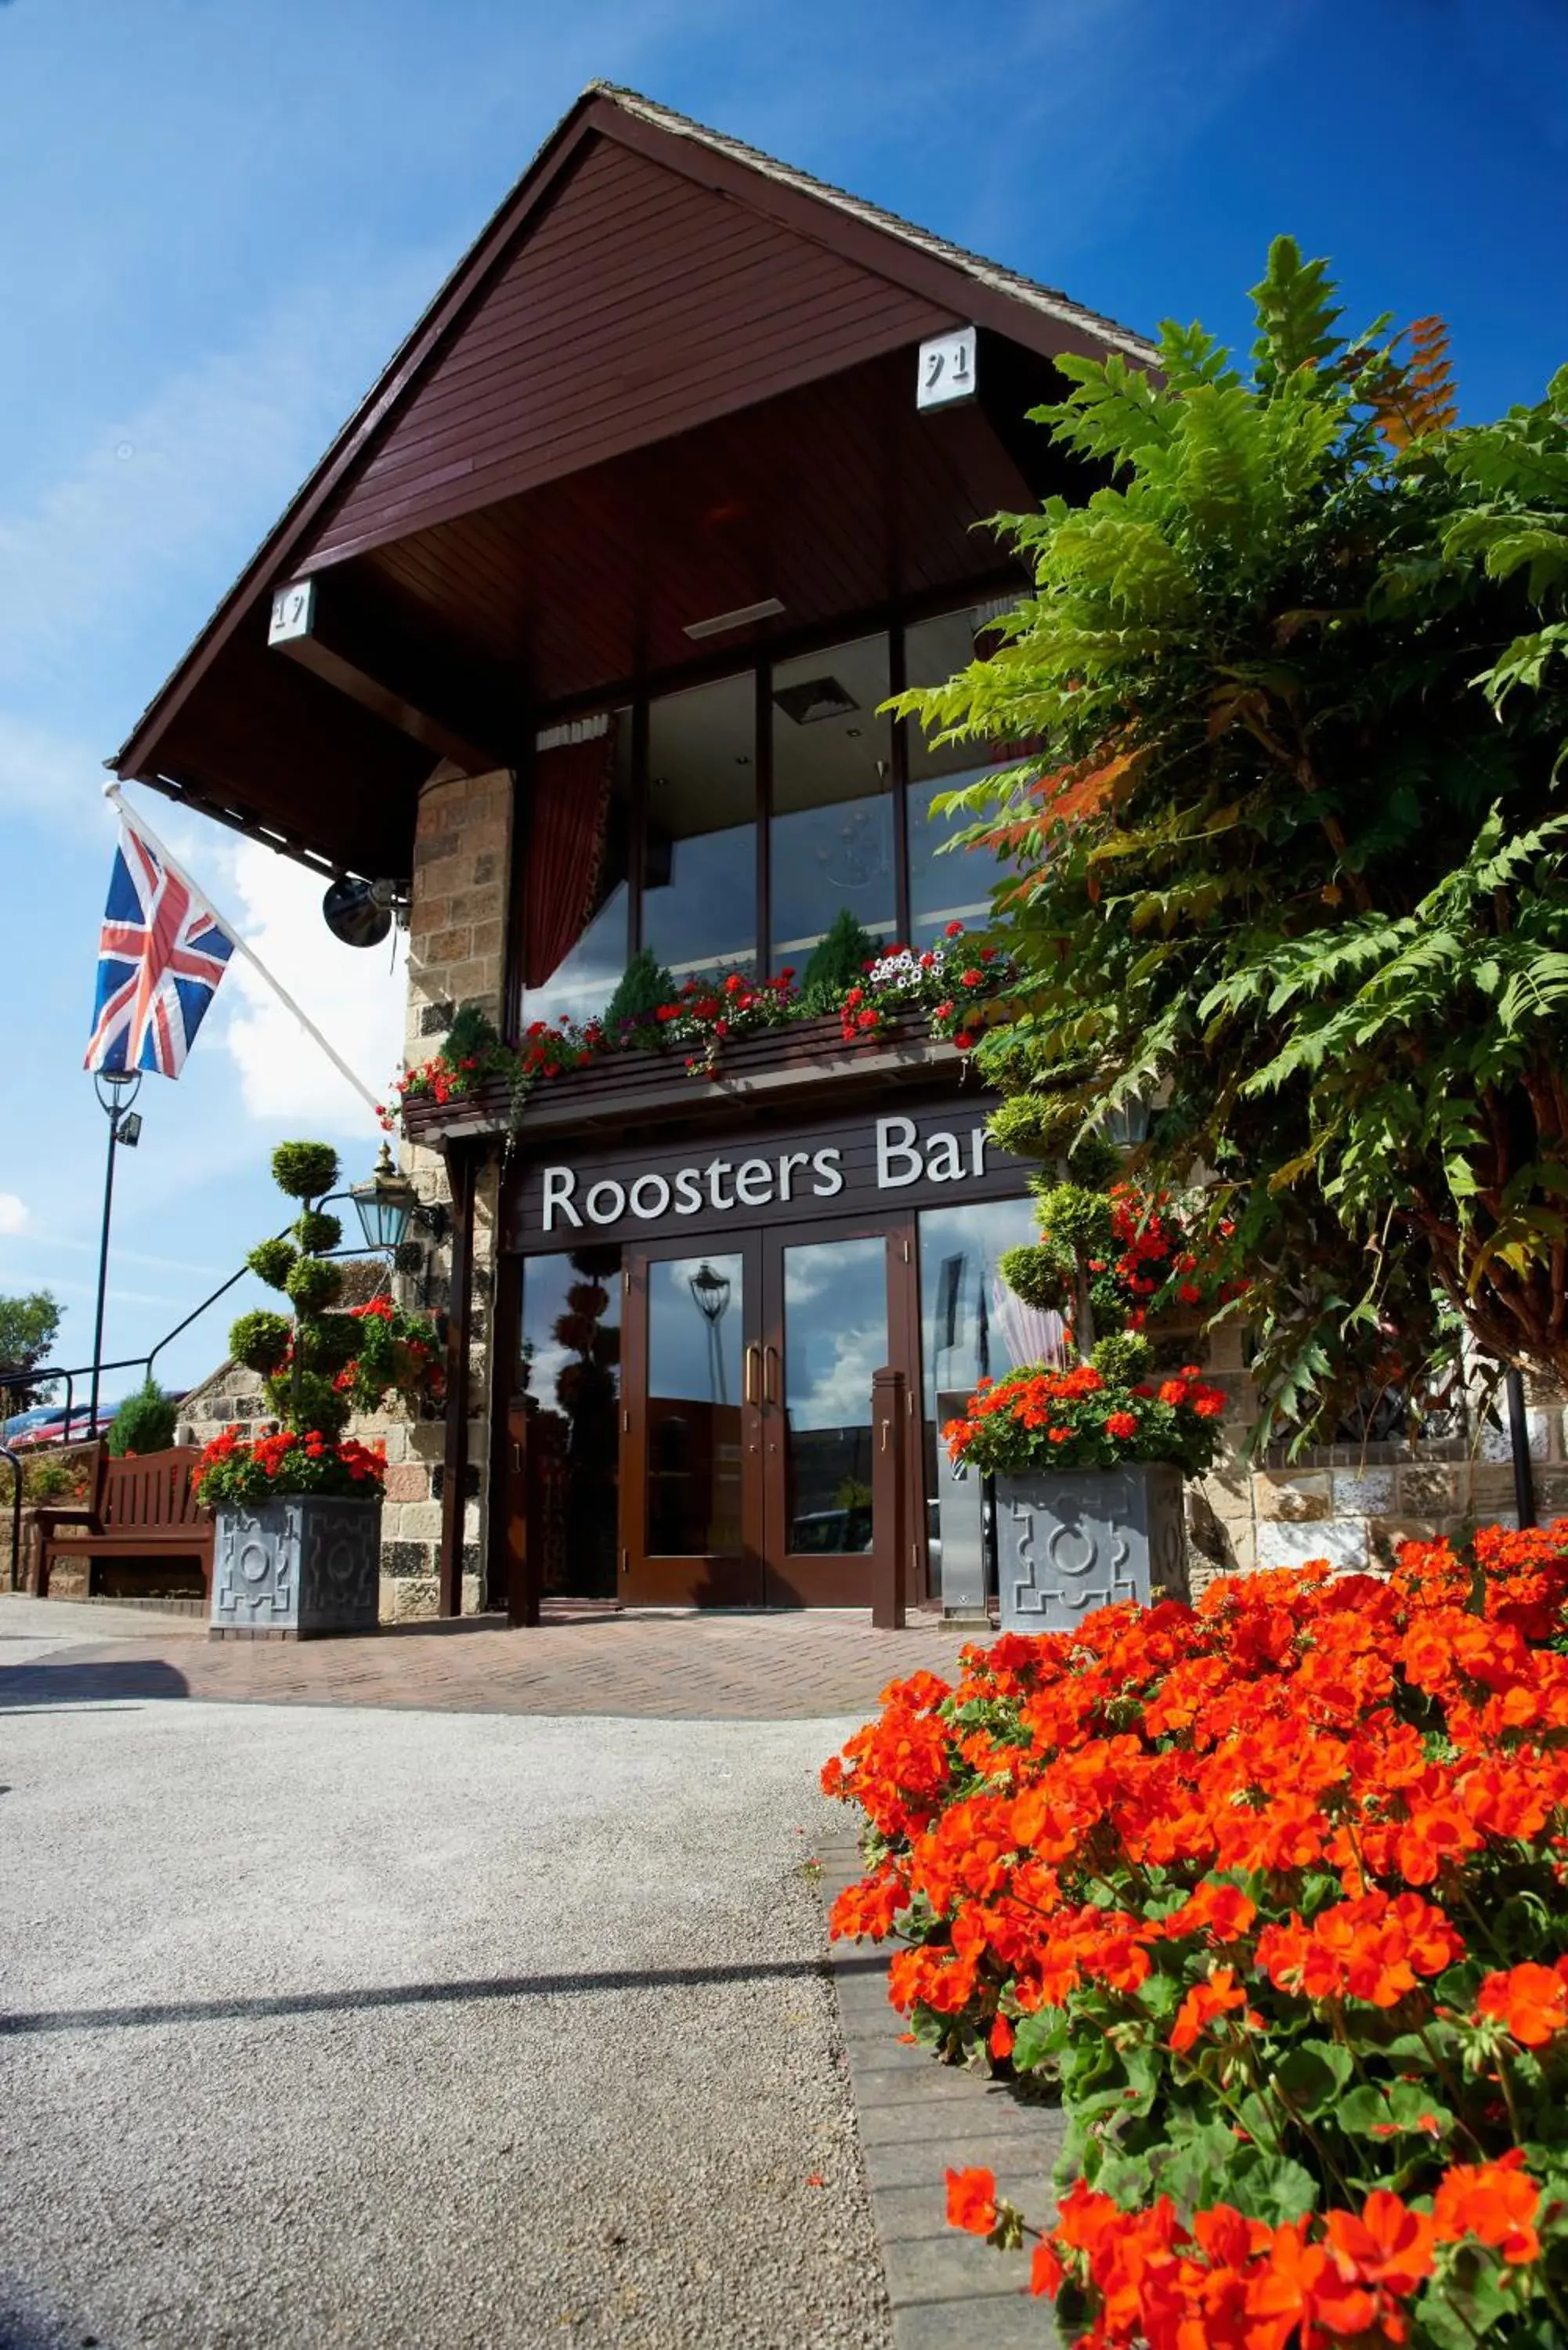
(1311, 2075)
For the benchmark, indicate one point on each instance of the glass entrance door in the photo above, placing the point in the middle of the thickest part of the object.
(836, 1311)
(691, 1441)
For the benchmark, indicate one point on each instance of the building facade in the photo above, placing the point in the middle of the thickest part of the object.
(580, 634)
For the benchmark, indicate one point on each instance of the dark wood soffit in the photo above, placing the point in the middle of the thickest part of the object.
(267, 741)
(838, 499)
(641, 305)
(594, 114)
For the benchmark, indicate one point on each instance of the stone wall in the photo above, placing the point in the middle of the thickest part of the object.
(1354, 1503)
(457, 927)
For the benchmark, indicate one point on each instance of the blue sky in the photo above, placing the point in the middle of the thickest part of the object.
(216, 219)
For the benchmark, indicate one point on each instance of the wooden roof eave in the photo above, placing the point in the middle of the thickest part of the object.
(875, 241)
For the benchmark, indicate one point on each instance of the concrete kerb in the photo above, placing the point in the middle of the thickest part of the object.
(916, 2120)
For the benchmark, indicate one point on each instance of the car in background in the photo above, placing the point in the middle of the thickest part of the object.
(29, 1432)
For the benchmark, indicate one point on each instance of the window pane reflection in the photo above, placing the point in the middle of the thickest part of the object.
(700, 874)
(970, 1327)
(570, 1367)
(836, 1337)
(695, 1312)
(942, 888)
(832, 833)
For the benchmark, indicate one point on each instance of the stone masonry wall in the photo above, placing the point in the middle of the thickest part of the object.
(457, 927)
(1354, 1505)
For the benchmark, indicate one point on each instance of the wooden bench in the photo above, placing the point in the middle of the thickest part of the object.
(141, 1507)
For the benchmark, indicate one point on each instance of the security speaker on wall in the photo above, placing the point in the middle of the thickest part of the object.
(360, 913)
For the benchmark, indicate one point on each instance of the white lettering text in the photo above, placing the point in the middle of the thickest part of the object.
(608, 1214)
(830, 1175)
(754, 1183)
(559, 1185)
(943, 1164)
(661, 1190)
(894, 1139)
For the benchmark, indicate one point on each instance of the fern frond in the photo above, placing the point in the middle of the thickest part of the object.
(1417, 396)
(1296, 314)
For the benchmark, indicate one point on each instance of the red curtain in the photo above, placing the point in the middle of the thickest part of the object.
(566, 850)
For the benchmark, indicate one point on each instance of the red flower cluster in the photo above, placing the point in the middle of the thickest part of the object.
(1275, 1887)
(246, 1472)
(1086, 1420)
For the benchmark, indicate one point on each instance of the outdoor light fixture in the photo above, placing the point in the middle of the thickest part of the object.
(711, 1295)
(1128, 1126)
(387, 1203)
(768, 610)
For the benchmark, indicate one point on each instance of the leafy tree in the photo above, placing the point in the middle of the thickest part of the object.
(28, 1327)
(1287, 861)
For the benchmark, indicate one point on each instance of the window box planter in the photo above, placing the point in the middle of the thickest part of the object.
(1084, 1538)
(797, 1060)
(302, 1567)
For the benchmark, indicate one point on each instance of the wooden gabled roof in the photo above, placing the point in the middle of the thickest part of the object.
(644, 279)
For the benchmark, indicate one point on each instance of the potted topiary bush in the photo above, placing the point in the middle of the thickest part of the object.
(298, 1513)
(1089, 1455)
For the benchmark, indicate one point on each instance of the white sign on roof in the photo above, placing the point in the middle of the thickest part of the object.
(947, 369)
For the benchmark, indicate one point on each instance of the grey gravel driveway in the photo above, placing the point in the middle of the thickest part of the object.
(419, 2031)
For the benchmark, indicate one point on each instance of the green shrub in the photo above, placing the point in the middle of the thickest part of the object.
(837, 963)
(644, 986)
(1124, 1357)
(273, 1262)
(314, 1284)
(1079, 1217)
(1041, 1276)
(305, 1170)
(472, 1034)
(317, 1235)
(260, 1340)
(145, 1422)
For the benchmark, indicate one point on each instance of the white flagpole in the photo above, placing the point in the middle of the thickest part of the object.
(135, 819)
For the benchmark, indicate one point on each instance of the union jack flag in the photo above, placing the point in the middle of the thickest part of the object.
(160, 955)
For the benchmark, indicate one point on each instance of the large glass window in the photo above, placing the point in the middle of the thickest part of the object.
(576, 910)
(972, 1326)
(570, 1367)
(836, 1337)
(832, 836)
(943, 889)
(695, 1311)
(700, 872)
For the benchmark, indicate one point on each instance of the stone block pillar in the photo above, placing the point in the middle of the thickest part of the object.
(457, 932)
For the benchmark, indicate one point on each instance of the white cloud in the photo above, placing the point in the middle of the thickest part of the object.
(201, 466)
(13, 1214)
(354, 994)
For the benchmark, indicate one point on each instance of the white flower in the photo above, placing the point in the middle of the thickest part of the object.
(901, 969)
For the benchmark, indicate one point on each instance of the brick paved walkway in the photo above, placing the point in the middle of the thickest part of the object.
(714, 1667)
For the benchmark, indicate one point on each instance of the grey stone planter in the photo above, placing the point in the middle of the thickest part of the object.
(297, 1568)
(1067, 1543)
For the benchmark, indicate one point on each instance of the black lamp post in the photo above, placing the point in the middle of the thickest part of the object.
(711, 1293)
(116, 1090)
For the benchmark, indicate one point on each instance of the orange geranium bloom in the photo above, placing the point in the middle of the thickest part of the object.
(1202, 2004)
(971, 2200)
(1531, 2001)
(1496, 2202)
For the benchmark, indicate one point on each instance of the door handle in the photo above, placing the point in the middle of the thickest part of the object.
(753, 1373)
(771, 1378)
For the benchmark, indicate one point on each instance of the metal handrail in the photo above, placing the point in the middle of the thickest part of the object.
(47, 1376)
